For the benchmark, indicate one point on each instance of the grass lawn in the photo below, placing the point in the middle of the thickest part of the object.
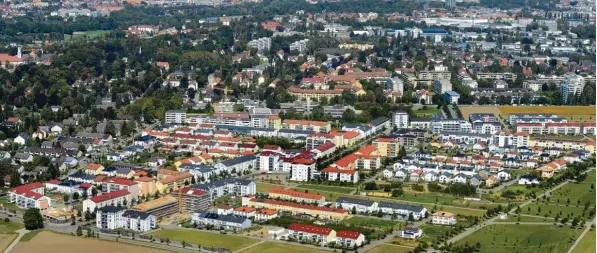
(514, 218)
(581, 118)
(416, 197)
(384, 248)
(432, 233)
(28, 236)
(428, 112)
(327, 188)
(371, 222)
(273, 247)
(555, 209)
(586, 244)
(205, 238)
(576, 192)
(265, 187)
(523, 238)
(6, 205)
(9, 227)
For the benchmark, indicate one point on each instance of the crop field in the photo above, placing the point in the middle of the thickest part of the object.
(205, 238)
(273, 247)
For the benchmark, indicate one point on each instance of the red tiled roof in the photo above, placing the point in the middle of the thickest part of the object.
(326, 146)
(589, 124)
(310, 229)
(300, 206)
(93, 166)
(348, 234)
(28, 187)
(345, 161)
(120, 181)
(190, 191)
(295, 193)
(266, 211)
(109, 196)
(53, 181)
(27, 193)
(336, 170)
(303, 161)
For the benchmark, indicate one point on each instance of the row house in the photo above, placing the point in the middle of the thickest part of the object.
(569, 128)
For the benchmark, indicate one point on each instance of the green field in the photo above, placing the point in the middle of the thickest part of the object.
(205, 238)
(265, 187)
(514, 218)
(555, 209)
(521, 191)
(433, 233)
(428, 112)
(5, 204)
(587, 243)
(371, 222)
(580, 118)
(88, 34)
(28, 236)
(9, 227)
(327, 188)
(274, 247)
(419, 197)
(522, 238)
(576, 192)
(384, 248)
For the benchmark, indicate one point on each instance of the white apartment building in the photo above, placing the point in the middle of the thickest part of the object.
(300, 46)
(571, 88)
(261, 44)
(107, 199)
(302, 170)
(400, 119)
(113, 217)
(463, 126)
(175, 116)
(443, 218)
(269, 161)
(359, 205)
(228, 187)
(440, 86)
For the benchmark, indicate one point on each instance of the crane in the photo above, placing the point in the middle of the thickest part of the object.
(226, 90)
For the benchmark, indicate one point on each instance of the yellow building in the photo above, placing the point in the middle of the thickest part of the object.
(297, 209)
(274, 122)
(172, 183)
(387, 147)
(563, 144)
(307, 125)
(146, 186)
(300, 197)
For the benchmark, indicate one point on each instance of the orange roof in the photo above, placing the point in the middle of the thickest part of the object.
(381, 139)
(366, 150)
(144, 179)
(350, 134)
(303, 161)
(245, 209)
(171, 179)
(295, 194)
(266, 211)
(336, 170)
(298, 206)
(93, 166)
(9, 58)
(347, 160)
(168, 172)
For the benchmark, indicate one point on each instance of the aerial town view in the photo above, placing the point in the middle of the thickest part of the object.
(301, 126)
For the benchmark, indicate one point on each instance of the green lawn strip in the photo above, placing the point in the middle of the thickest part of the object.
(371, 222)
(523, 218)
(501, 238)
(205, 238)
(432, 233)
(265, 187)
(327, 188)
(28, 236)
(586, 244)
(384, 248)
(273, 247)
(576, 192)
(553, 210)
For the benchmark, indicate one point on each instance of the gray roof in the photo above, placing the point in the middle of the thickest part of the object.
(362, 202)
(135, 214)
(238, 160)
(225, 218)
(110, 209)
(400, 206)
(379, 120)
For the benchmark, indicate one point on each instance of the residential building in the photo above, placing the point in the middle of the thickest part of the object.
(437, 126)
(298, 209)
(192, 200)
(342, 175)
(403, 210)
(113, 217)
(387, 147)
(302, 169)
(451, 97)
(160, 207)
(301, 197)
(443, 218)
(261, 44)
(175, 116)
(120, 197)
(349, 239)
(310, 233)
(400, 119)
(411, 232)
(441, 86)
(228, 187)
(357, 205)
(572, 88)
(227, 222)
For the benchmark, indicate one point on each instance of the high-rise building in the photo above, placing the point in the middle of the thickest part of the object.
(572, 87)
(400, 119)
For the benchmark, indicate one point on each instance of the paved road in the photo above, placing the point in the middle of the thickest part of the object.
(581, 236)
(21, 232)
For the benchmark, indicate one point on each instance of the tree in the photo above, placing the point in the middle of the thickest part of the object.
(93, 192)
(33, 219)
(110, 129)
(397, 192)
(76, 196)
(349, 116)
(79, 231)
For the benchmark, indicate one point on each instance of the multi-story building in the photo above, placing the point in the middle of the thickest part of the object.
(175, 116)
(299, 46)
(531, 128)
(400, 119)
(109, 217)
(514, 118)
(443, 218)
(269, 161)
(299, 209)
(497, 76)
(487, 127)
(572, 88)
(317, 139)
(387, 147)
(588, 128)
(301, 197)
(146, 186)
(569, 128)
(404, 210)
(357, 205)
(120, 197)
(138, 221)
(173, 182)
(307, 125)
(115, 184)
(192, 200)
(228, 187)
(440, 86)
(437, 126)
(310, 233)
(302, 169)
(349, 239)
(261, 44)
(342, 175)
(160, 207)
(227, 222)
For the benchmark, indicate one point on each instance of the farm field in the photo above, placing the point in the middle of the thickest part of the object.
(327, 188)
(7, 233)
(586, 244)
(574, 113)
(384, 248)
(273, 247)
(48, 242)
(205, 238)
(523, 238)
